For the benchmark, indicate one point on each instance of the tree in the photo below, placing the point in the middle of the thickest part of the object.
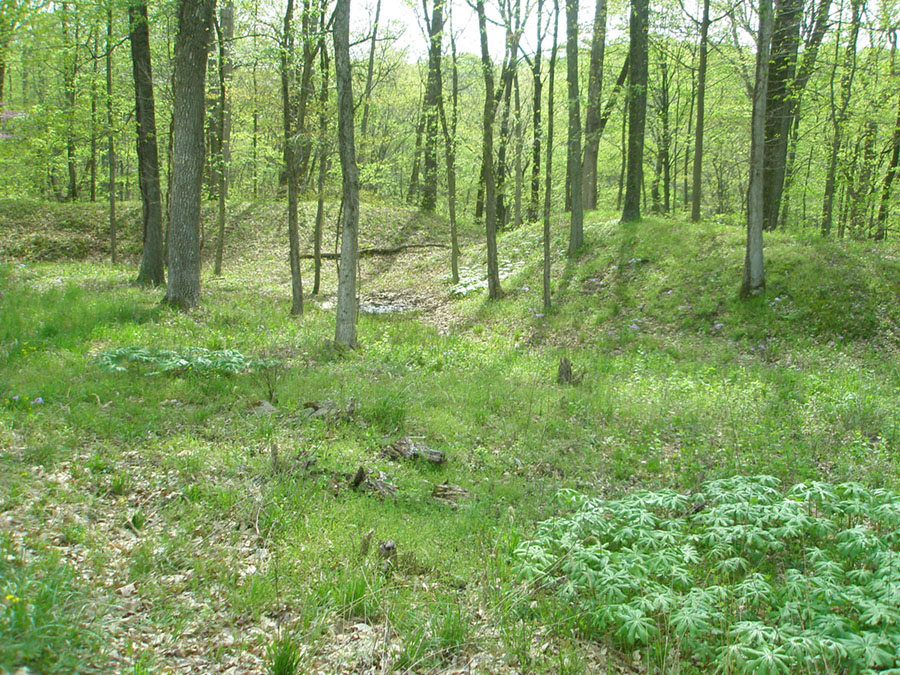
(495, 292)
(549, 165)
(449, 130)
(697, 183)
(576, 217)
(111, 139)
(754, 281)
(224, 36)
(191, 49)
(637, 108)
(592, 129)
(345, 324)
(152, 272)
(432, 104)
(291, 160)
(880, 232)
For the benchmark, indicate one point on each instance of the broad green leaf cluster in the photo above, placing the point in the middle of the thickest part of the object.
(740, 575)
(188, 359)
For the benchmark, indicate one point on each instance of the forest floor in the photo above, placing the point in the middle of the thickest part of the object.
(209, 511)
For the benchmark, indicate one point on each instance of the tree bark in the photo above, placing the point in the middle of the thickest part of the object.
(637, 108)
(548, 176)
(754, 281)
(225, 33)
(495, 292)
(537, 84)
(576, 217)
(191, 52)
(431, 107)
(449, 129)
(345, 325)
(152, 272)
(111, 140)
(592, 129)
(291, 159)
(884, 206)
(697, 181)
(323, 163)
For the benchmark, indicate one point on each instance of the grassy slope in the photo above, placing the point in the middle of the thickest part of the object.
(680, 382)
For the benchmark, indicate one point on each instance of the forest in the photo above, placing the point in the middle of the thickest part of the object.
(449, 336)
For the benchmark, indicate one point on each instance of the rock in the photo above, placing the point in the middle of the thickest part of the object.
(406, 448)
(263, 408)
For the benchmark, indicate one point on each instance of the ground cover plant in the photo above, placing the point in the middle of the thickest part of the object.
(192, 529)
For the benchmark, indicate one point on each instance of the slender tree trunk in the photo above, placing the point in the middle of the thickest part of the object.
(70, 71)
(839, 115)
(495, 292)
(152, 272)
(517, 199)
(191, 52)
(345, 325)
(548, 176)
(94, 124)
(886, 184)
(449, 130)
(291, 160)
(323, 162)
(431, 107)
(370, 71)
(696, 190)
(637, 108)
(537, 84)
(111, 140)
(754, 281)
(225, 33)
(592, 113)
(576, 218)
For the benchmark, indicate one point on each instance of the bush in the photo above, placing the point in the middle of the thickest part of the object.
(740, 574)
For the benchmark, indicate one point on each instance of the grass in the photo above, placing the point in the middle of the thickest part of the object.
(159, 492)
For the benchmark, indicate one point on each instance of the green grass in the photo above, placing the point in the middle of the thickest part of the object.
(167, 481)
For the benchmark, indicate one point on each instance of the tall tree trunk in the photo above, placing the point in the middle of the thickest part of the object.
(548, 176)
(370, 71)
(345, 325)
(449, 130)
(517, 198)
(95, 47)
(495, 292)
(291, 159)
(576, 218)
(191, 52)
(224, 34)
(883, 207)
(637, 108)
(152, 272)
(323, 162)
(754, 281)
(788, 85)
(431, 106)
(537, 84)
(839, 114)
(70, 72)
(111, 140)
(592, 112)
(697, 182)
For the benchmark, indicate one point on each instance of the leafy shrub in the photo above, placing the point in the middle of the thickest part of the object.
(739, 575)
(188, 359)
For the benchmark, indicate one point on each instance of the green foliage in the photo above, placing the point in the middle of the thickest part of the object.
(283, 656)
(186, 360)
(42, 620)
(738, 574)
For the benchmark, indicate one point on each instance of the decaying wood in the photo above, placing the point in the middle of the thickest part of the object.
(565, 375)
(373, 482)
(365, 543)
(449, 494)
(328, 409)
(407, 448)
(367, 252)
(358, 477)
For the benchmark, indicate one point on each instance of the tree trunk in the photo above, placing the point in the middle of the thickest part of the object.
(225, 33)
(449, 130)
(637, 108)
(152, 272)
(370, 72)
(345, 325)
(839, 114)
(517, 198)
(95, 47)
(576, 218)
(592, 113)
(697, 182)
(417, 152)
(537, 83)
(291, 160)
(111, 140)
(495, 292)
(883, 207)
(431, 106)
(754, 281)
(548, 176)
(191, 52)
(323, 163)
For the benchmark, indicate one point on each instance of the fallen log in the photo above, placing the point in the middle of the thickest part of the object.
(406, 448)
